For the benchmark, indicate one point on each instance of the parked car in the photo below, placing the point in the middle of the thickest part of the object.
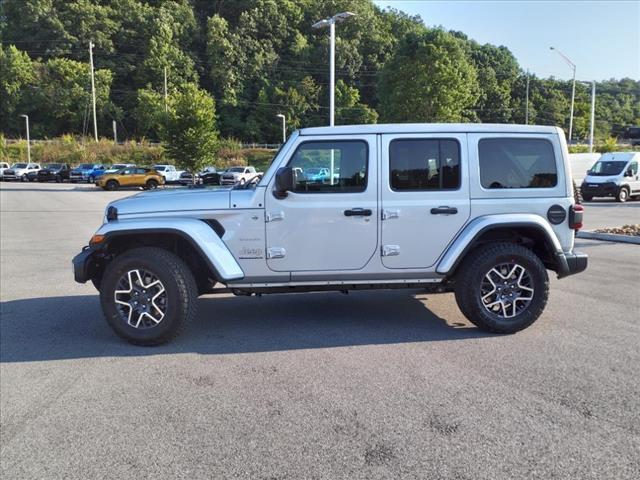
(53, 172)
(87, 172)
(480, 210)
(238, 175)
(169, 172)
(146, 178)
(613, 175)
(186, 178)
(210, 176)
(317, 174)
(118, 166)
(20, 171)
(3, 166)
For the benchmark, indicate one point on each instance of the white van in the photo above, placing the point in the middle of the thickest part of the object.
(613, 175)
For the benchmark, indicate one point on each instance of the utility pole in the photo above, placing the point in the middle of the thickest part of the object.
(115, 133)
(26, 121)
(573, 89)
(526, 108)
(93, 93)
(166, 108)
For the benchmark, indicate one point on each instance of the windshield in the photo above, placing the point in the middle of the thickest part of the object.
(160, 168)
(53, 165)
(236, 169)
(117, 166)
(19, 165)
(603, 168)
(85, 166)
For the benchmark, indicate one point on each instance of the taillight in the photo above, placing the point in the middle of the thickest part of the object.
(576, 213)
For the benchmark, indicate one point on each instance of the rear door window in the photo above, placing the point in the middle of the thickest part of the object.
(517, 163)
(424, 164)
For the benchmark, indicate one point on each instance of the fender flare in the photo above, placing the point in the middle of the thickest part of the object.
(466, 238)
(199, 234)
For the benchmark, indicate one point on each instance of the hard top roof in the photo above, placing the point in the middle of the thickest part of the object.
(428, 128)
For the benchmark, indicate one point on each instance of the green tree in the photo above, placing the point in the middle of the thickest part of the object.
(190, 134)
(428, 79)
(349, 110)
(63, 101)
(16, 74)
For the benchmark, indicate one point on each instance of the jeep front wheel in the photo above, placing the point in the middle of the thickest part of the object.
(148, 295)
(502, 288)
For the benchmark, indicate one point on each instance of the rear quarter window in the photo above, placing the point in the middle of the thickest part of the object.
(517, 163)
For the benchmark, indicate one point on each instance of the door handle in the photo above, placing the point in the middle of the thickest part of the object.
(358, 212)
(444, 211)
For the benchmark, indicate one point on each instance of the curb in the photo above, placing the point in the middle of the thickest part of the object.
(609, 237)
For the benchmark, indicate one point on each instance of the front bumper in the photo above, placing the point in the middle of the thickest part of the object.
(599, 189)
(571, 263)
(85, 265)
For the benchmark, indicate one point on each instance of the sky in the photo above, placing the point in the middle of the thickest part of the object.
(601, 37)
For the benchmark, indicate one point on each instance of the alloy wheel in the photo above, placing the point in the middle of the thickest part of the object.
(141, 299)
(506, 290)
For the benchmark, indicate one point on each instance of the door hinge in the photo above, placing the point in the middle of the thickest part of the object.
(274, 216)
(390, 250)
(387, 214)
(276, 252)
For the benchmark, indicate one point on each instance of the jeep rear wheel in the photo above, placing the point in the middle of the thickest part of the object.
(502, 288)
(151, 184)
(148, 295)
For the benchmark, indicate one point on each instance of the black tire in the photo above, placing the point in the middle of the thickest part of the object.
(179, 284)
(577, 194)
(623, 195)
(151, 184)
(242, 181)
(469, 281)
(58, 179)
(91, 179)
(24, 178)
(112, 185)
(587, 198)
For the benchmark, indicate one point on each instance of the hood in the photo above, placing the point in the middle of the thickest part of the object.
(176, 200)
(599, 179)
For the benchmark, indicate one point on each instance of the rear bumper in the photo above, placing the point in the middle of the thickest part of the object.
(84, 265)
(571, 263)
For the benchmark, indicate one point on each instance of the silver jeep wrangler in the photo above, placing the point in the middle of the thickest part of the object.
(480, 210)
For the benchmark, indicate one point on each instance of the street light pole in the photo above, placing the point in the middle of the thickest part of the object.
(526, 111)
(573, 89)
(26, 121)
(593, 115)
(284, 127)
(331, 23)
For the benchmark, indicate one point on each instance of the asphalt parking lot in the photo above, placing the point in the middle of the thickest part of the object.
(370, 385)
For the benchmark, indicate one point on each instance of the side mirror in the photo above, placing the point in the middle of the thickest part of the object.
(285, 182)
(628, 173)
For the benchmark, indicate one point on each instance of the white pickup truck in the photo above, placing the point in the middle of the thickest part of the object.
(169, 172)
(238, 175)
